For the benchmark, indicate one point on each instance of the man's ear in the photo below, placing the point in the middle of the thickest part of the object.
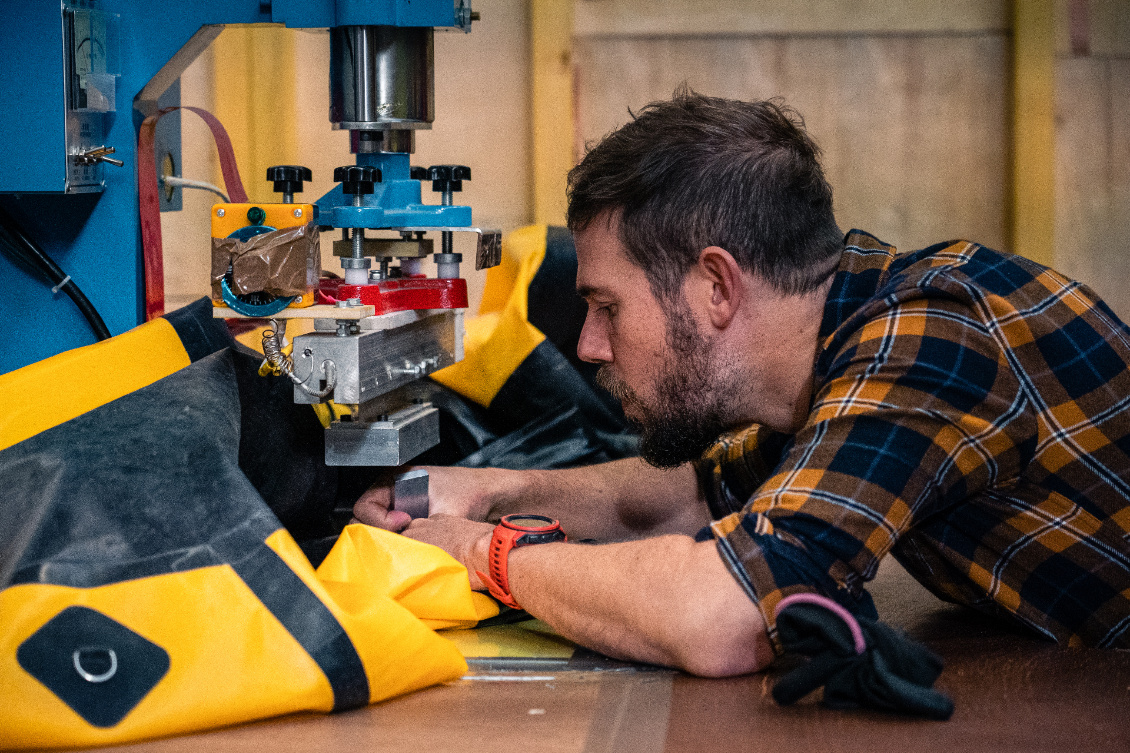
(721, 278)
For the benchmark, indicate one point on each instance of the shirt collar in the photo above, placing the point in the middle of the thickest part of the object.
(863, 269)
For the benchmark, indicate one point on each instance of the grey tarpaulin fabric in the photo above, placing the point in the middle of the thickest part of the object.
(148, 484)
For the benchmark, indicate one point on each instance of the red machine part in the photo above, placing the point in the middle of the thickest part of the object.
(401, 294)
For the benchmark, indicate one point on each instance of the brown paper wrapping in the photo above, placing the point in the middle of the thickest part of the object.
(282, 262)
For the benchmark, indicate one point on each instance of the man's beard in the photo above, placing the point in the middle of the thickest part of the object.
(690, 407)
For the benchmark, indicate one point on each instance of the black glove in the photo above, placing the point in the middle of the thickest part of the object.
(861, 663)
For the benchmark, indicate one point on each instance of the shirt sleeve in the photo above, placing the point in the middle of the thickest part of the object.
(917, 409)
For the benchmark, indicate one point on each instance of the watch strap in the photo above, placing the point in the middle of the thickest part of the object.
(504, 539)
(496, 591)
(497, 579)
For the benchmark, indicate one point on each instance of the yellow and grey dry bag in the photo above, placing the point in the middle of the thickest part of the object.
(146, 586)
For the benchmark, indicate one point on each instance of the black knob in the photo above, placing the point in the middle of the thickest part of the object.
(288, 178)
(357, 179)
(448, 177)
(418, 173)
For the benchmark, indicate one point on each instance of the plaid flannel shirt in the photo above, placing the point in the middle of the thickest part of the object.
(971, 416)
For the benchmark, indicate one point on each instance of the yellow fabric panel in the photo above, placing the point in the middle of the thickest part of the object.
(328, 412)
(498, 341)
(230, 659)
(399, 651)
(57, 389)
(368, 563)
(531, 639)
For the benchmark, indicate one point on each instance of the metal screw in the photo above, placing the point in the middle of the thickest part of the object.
(297, 212)
(219, 212)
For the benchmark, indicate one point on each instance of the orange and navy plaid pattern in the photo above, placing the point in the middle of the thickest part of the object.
(971, 417)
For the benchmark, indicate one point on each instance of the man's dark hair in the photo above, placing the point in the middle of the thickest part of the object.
(698, 171)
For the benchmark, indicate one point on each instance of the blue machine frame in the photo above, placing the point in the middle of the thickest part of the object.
(95, 236)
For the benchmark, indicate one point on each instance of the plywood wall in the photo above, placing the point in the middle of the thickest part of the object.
(908, 101)
(1093, 152)
(186, 234)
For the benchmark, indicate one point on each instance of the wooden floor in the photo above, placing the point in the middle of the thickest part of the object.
(1012, 693)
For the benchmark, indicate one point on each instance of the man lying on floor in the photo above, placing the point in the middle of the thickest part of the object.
(808, 404)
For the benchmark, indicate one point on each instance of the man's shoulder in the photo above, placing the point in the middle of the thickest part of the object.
(966, 283)
(960, 268)
(969, 264)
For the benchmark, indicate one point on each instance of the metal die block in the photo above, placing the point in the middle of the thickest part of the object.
(395, 441)
(367, 363)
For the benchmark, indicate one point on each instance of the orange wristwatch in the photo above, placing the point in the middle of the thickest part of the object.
(512, 532)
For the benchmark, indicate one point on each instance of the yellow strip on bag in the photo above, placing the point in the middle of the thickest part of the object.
(89, 377)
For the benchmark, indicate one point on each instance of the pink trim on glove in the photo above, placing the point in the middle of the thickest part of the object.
(831, 606)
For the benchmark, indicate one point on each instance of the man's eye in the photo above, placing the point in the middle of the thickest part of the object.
(601, 309)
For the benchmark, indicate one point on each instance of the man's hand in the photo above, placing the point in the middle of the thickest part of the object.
(463, 492)
(466, 540)
(372, 508)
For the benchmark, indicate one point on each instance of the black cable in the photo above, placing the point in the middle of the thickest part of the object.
(26, 250)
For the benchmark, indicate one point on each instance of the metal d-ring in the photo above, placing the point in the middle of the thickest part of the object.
(90, 676)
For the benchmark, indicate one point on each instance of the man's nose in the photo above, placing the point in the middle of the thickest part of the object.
(593, 346)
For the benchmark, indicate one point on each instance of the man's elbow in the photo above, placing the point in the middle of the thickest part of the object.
(724, 648)
(723, 661)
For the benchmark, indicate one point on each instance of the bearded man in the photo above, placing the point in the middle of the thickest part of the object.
(808, 404)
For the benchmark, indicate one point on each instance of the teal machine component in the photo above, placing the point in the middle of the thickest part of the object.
(77, 77)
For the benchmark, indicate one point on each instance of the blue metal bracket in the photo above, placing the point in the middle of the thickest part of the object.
(395, 202)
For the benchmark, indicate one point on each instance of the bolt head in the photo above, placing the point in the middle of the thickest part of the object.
(220, 212)
(297, 212)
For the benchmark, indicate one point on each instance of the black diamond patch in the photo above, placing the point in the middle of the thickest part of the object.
(97, 666)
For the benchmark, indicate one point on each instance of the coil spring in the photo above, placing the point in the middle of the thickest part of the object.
(280, 361)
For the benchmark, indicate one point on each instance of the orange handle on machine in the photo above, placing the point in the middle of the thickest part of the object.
(150, 205)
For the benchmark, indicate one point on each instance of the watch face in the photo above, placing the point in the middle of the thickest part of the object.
(529, 522)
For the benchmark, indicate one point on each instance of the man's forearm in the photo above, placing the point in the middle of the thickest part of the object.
(667, 600)
(623, 499)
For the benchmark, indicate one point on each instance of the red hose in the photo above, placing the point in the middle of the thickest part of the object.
(150, 206)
